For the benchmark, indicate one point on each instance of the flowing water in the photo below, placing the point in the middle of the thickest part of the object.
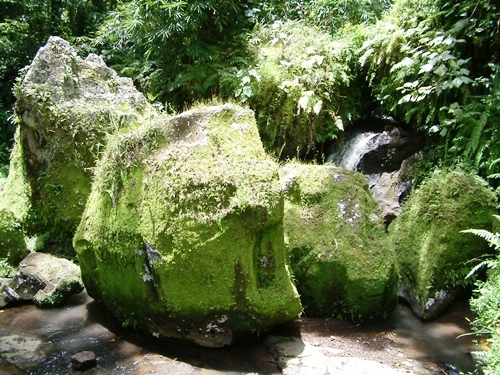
(354, 148)
(41, 341)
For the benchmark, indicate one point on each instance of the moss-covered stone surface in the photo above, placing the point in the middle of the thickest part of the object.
(12, 246)
(183, 230)
(338, 250)
(66, 107)
(433, 256)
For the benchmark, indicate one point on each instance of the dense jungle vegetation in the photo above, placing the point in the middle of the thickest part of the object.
(310, 69)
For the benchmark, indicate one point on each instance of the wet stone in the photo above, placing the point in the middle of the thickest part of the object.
(23, 351)
(83, 360)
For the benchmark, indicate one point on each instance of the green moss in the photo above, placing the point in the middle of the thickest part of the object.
(432, 254)
(298, 88)
(337, 243)
(12, 245)
(17, 191)
(184, 226)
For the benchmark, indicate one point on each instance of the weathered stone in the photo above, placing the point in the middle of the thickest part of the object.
(66, 106)
(294, 357)
(389, 192)
(433, 256)
(23, 351)
(5, 297)
(183, 230)
(43, 279)
(83, 361)
(339, 255)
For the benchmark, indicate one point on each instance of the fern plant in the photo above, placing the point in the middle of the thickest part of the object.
(492, 238)
(485, 301)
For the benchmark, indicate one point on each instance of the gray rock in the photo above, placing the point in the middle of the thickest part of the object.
(389, 192)
(294, 357)
(434, 305)
(388, 150)
(83, 360)
(20, 350)
(43, 279)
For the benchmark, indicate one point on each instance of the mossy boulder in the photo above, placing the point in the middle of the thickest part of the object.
(338, 249)
(433, 256)
(65, 108)
(183, 231)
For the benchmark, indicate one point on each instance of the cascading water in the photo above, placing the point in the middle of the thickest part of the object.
(354, 149)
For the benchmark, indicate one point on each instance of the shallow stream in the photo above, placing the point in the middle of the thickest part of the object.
(41, 341)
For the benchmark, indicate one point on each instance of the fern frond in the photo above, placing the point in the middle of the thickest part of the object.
(477, 268)
(494, 162)
(492, 238)
(475, 137)
(402, 64)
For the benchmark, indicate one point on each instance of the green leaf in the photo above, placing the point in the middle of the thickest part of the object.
(317, 107)
(441, 70)
(426, 68)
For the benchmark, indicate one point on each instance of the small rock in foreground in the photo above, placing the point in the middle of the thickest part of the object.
(83, 360)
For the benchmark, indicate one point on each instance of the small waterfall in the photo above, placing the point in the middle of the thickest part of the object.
(353, 150)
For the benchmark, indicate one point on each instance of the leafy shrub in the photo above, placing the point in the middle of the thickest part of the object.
(329, 15)
(485, 302)
(178, 51)
(298, 87)
(433, 63)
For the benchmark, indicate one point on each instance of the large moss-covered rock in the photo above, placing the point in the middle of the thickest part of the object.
(339, 255)
(183, 230)
(433, 256)
(65, 108)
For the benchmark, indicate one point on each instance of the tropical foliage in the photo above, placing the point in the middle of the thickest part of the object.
(485, 301)
(178, 51)
(308, 68)
(435, 65)
(298, 86)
